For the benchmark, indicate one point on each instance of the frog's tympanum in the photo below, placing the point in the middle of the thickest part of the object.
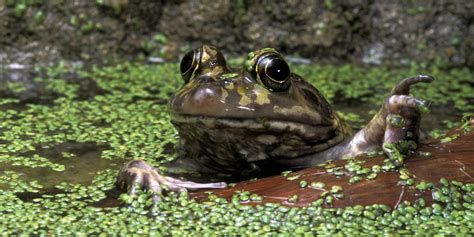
(262, 118)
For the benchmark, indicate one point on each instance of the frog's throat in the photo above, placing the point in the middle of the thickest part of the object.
(305, 131)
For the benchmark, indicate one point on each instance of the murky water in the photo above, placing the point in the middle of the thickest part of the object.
(87, 161)
(80, 169)
(29, 85)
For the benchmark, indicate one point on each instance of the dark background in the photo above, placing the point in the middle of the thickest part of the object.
(324, 31)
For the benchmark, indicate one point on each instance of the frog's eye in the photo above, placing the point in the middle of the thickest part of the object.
(189, 64)
(273, 72)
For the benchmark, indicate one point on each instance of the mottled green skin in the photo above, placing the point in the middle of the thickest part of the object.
(230, 124)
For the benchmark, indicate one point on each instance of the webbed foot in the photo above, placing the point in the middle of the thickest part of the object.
(138, 174)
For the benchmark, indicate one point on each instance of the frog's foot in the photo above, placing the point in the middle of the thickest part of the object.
(402, 126)
(395, 128)
(138, 174)
(402, 114)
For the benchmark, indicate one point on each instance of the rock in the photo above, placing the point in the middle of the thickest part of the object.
(115, 3)
(371, 32)
(374, 54)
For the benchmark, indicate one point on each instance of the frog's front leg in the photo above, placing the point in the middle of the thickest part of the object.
(395, 128)
(138, 174)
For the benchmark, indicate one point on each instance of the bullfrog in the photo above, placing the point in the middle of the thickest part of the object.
(263, 118)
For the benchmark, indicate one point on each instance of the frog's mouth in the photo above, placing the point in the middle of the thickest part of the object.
(315, 133)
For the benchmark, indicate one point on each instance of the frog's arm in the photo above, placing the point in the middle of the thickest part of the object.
(398, 121)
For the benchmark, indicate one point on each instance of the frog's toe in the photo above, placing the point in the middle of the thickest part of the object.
(141, 181)
(403, 88)
(396, 103)
(179, 185)
(135, 178)
(403, 118)
(139, 175)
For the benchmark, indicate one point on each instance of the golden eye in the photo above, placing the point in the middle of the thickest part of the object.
(273, 72)
(189, 64)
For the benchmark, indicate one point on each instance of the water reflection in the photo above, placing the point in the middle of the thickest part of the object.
(80, 169)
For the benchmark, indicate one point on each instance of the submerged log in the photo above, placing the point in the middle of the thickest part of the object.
(452, 160)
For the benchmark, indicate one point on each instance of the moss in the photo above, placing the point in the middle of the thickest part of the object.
(15, 87)
(39, 17)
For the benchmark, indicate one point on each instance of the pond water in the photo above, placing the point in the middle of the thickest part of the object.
(85, 158)
(68, 131)
(80, 168)
(24, 86)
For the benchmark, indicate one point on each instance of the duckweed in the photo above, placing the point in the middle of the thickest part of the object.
(286, 173)
(333, 81)
(33, 162)
(355, 179)
(336, 189)
(317, 185)
(130, 118)
(293, 198)
(372, 176)
(294, 177)
(303, 184)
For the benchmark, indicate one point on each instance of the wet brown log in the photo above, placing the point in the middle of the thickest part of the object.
(452, 160)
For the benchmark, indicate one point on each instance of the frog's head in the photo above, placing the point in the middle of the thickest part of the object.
(263, 99)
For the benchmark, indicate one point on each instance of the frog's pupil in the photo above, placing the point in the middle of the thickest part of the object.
(278, 69)
(187, 62)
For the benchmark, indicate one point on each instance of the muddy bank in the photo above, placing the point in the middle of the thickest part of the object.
(370, 32)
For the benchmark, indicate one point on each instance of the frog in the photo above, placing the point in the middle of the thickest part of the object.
(260, 119)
